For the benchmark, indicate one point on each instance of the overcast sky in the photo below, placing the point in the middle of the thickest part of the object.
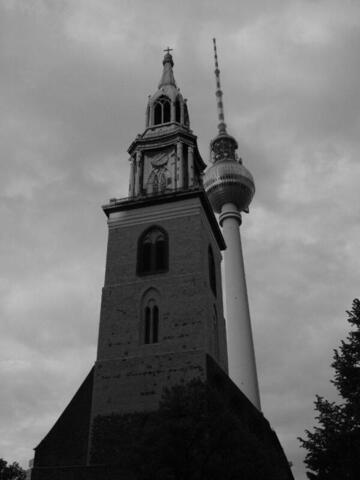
(75, 76)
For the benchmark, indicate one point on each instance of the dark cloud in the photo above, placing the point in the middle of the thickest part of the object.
(74, 85)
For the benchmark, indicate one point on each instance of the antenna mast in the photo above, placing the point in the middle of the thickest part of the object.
(219, 94)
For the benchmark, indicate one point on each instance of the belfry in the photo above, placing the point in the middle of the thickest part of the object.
(161, 322)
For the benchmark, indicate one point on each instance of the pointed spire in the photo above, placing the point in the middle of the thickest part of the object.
(167, 77)
(219, 94)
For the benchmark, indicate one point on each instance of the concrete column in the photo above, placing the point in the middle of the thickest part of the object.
(191, 166)
(180, 166)
(242, 365)
(137, 173)
(132, 177)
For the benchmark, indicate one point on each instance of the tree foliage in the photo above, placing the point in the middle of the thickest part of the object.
(333, 448)
(193, 436)
(11, 471)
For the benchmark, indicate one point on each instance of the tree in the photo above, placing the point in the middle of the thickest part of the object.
(11, 472)
(193, 436)
(333, 448)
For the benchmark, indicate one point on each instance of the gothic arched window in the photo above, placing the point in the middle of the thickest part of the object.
(162, 111)
(153, 252)
(212, 271)
(150, 317)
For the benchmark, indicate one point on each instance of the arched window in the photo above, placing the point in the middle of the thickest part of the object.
(162, 111)
(153, 252)
(149, 332)
(212, 271)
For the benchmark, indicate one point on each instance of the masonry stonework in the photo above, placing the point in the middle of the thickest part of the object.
(129, 374)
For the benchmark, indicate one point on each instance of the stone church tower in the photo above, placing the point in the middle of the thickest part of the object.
(161, 311)
(161, 321)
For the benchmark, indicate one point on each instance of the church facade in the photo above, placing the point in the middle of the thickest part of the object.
(162, 322)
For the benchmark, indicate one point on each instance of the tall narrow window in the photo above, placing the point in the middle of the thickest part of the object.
(177, 111)
(158, 113)
(153, 251)
(162, 110)
(147, 324)
(150, 313)
(212, 271)
(155, 325)
(146, 255)
(166, 112)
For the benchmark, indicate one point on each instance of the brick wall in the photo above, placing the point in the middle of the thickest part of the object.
(130, 374)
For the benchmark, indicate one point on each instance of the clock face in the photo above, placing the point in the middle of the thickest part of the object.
(160, 159)
(158, 170)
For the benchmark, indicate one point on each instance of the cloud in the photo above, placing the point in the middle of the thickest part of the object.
(74, 86)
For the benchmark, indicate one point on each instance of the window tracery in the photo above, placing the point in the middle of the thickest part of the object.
(153, 252)
(162, 110)
(150, 317)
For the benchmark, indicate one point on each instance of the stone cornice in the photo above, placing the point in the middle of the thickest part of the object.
(118, 205)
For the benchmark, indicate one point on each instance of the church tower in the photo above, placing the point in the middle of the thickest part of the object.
(161, 311)
(161, 319)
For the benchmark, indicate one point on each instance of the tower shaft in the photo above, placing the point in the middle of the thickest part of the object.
(230, 188)
(242, 365)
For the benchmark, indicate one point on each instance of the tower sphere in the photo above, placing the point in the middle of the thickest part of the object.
(228, 181)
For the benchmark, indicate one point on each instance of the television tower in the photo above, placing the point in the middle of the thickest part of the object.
(230, 188)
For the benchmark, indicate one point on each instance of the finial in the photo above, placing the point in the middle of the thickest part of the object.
(168, 57)
(167, 77)
(219, 94)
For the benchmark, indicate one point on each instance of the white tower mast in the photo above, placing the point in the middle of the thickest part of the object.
(230, 188)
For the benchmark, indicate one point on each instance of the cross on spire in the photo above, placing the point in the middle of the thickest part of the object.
(168, 50)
